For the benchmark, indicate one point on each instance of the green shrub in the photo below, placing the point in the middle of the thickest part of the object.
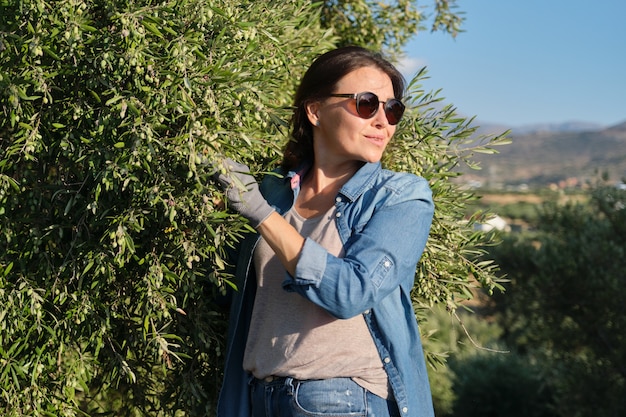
(112, 246)
(564, 302)
(499, 384)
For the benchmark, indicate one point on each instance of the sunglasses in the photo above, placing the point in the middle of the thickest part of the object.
(367, 104)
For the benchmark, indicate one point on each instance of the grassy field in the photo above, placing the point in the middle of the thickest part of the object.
(520, 209)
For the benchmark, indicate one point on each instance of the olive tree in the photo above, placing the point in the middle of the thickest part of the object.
(112, 245)
(388, 25)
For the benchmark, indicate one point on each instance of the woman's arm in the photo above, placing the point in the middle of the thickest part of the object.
(378, 258)
(284, 239)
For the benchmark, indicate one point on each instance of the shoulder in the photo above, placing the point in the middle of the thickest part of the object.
(274, 179)
(374, 190)
(372, 184)
(400, 179)
(404, 185)
(276, 189)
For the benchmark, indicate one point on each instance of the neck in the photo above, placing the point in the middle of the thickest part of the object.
(322, 177)
(320, 187)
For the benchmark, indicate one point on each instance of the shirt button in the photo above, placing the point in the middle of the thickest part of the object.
(405, 410)
(338, 214)
(387, 264)
(338, 199)
(387, 360)
(366, 312)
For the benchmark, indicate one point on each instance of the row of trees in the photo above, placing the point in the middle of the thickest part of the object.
(111, 242)
(563, 308)
(553, 344)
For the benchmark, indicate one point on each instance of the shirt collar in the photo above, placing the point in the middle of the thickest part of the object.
(360, 181)
(351, 189)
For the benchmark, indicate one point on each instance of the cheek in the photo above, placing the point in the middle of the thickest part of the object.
(348, 124)
(352, 108)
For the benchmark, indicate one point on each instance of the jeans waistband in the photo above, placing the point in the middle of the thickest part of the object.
(273, 380)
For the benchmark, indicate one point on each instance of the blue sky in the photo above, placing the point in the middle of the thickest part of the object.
(523, 62)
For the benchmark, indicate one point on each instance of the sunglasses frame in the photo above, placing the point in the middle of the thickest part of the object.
(387, 107)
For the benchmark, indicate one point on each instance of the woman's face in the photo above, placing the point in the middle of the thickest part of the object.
(344, 137)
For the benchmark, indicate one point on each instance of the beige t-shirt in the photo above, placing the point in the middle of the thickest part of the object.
(291, 336)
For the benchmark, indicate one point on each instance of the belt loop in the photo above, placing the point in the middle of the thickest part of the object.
(289, 382)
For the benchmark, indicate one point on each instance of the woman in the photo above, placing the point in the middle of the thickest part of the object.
(323, 322)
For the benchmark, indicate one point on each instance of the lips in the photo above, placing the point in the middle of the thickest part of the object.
(378, 140)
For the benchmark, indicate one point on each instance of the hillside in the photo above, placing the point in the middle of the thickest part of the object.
(543, 158)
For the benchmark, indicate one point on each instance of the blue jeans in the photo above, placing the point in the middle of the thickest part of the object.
(337, 397)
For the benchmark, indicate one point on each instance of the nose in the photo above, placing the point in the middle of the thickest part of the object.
(380, 118)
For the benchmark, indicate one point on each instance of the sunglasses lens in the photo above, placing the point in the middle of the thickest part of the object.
(394, 109)
(367, 105)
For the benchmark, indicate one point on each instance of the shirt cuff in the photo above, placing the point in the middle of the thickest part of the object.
(310, 268)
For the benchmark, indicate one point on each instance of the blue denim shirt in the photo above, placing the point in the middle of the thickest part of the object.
(383, 219)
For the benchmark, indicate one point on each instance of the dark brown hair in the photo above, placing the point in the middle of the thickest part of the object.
(319, 82)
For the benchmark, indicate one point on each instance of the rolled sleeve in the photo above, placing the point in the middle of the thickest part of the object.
(310, 268)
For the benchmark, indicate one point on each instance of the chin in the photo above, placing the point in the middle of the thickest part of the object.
(372, 158)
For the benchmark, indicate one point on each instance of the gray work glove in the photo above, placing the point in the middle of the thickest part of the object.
(243, 192)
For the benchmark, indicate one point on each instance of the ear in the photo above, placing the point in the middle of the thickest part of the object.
(312, 112)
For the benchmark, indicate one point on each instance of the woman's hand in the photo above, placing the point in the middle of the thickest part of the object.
(243, 192)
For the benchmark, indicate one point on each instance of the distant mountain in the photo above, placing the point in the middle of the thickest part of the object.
(571, 126)
(570, 153)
